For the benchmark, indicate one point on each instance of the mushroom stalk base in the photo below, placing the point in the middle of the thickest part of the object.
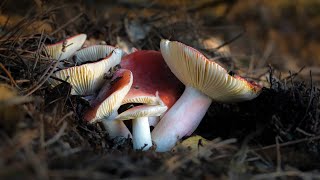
(181, 120)
(141, 135)
(115, 127)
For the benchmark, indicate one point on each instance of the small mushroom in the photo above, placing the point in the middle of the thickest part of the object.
(92, 53)
(66, 48)
(205, 81)
(141, 136)
(105, 106)
(151, 75)
(86, 79)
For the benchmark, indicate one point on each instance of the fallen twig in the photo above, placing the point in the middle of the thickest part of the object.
(9, 75)
(57, 136)
(48, 76)
(287, 143)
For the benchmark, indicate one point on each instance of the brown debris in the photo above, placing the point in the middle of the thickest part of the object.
(277, 134)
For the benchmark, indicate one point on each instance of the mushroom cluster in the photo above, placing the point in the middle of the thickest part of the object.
(148, 85)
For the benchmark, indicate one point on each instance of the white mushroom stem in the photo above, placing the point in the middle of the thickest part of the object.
(182, 119)
(141, 135)
(153, 120)
(115, 127)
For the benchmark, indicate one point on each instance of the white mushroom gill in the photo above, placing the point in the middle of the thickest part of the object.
(88, 78)
(205, 81)
(105, 106)
(92, 53)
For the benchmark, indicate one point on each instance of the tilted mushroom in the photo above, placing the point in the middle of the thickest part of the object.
(205, 81)
(86, 79)
(92, 53)
(150, 75)
(105, 106)
(65, 48)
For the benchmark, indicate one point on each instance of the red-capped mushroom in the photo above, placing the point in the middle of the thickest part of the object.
(88, 78)
(105, 106)
(205, 81)
(66, 48)
(150, 75)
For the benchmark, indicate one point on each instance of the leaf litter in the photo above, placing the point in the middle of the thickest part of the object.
(275, 135)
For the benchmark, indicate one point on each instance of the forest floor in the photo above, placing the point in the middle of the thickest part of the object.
(276, 135)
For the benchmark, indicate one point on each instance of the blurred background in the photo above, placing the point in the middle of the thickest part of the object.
(282, 34)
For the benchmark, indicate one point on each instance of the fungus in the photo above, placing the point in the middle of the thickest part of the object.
(205, 81)
(105, 106)
(86, 79)
(65, 48)
(141, 136)
(151, 75)
(92, 53)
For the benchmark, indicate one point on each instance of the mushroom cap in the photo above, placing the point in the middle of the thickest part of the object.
(151, 75)
(92, 53)
(142, 111)
(195, 70)
(88, 78)
(110, 96)
(66, 48)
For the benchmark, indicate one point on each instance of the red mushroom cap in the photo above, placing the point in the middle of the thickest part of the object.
(151, 74)
(110, 96)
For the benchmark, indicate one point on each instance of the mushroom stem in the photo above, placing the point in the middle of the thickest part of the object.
(153, 120)
(182, 119)
(141, 133)
(116, 128)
